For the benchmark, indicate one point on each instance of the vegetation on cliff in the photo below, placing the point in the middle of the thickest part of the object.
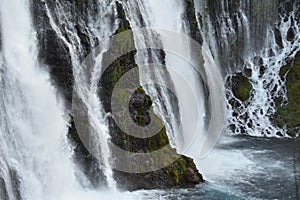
(288, 114)
(182, 172)
(241, 87)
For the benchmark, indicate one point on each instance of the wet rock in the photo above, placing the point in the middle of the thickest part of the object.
(287, 114)
(241, 87)
(278, 37)
(191, 20)
(290, 35)
(139, 107)
(192, 176)
(53, 52)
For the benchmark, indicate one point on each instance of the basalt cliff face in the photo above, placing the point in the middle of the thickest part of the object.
(254, 46)
(55, 52)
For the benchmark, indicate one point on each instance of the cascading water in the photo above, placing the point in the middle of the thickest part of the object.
(267, 86)
(35, 160)
(169, 15)
(87, 77)
(151, 65)
(180, 61)
(34, 151)
(234, 37)
(205, 80)
(35, 157)
(260, 60)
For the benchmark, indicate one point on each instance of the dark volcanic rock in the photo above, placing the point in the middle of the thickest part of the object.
(55, 53)
(241, 87)
(52, 50)
(191, 20)
(182, 172)
(287, 114)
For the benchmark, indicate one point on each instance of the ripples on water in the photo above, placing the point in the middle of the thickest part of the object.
(244, 168)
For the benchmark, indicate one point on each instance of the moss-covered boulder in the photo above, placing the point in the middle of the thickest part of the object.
(241, 87)
(288, 115)
(182, 172)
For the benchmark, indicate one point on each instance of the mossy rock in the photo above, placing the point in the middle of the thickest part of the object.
(180, 173)
(289, 115)
(241, 87)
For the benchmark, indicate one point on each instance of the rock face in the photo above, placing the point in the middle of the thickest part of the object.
(288, 113)
(234, 40)
(182, 172)
(241, 87)
(191, 20)
(55, 53)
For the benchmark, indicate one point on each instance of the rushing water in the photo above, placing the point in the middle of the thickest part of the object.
(35, 156)
(259, 49)
(245, 168)
(86, 81)
(34, 150)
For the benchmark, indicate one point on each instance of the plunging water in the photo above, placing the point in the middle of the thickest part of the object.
(34, 152)
(35, 157)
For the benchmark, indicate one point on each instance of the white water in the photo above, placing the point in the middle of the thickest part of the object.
(166, 19)
(168, 15)
(267, 86)
(32, 127)
(199, 132)
(253, 116)
(87, 77)
(32, 124)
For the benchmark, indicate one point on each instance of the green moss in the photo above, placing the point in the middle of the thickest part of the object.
(284, 70)
(139, 107)
(158, 141)
(241, 87)
(289, 115)
(177, 170)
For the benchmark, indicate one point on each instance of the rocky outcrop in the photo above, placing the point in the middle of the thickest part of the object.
(241, 87)
(288, 114)
(182, 172)
(55, 53)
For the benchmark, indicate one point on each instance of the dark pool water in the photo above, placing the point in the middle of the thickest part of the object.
(245, 168)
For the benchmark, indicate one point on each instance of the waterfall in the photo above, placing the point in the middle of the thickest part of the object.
(184, 68)
(169, 15)
(87, 77)
(187, 125)
(255, 116)
(243, 39)
(35, 156)
(34, 152)
(154, 76)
